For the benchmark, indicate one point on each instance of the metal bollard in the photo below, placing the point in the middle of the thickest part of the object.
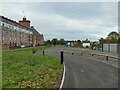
(92, 54)
(106, 58)
(72, 53)
(43, 52)
(81, 53)
(62, 59)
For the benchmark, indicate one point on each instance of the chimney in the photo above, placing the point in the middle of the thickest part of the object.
(25, 22)
(32, 27)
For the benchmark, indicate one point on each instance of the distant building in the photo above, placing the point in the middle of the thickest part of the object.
(95, 45)
(14, 34)
(86, 43)
(68, 44)
(38, 38)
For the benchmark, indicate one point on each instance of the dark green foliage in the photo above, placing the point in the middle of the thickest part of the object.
(54, 41)
(62, 41)
(113, 37)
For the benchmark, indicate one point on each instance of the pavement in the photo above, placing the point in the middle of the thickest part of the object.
(84, 71)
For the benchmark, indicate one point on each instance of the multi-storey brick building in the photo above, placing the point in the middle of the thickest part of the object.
(14, 34)
(38, 38)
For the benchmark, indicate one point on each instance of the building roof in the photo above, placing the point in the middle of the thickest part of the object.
(13, 21)
(35, 32)
(24, 20)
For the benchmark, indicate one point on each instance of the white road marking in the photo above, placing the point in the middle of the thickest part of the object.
(63, 78)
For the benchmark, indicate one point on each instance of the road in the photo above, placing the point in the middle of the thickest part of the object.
(84, 71)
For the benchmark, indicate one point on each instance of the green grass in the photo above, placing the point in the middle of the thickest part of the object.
(22, 69)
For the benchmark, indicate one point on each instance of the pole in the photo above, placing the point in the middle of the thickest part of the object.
(61, 56)
(106, 58)
(109, 47)
(43, 52)
(102, 47)
(81, 53)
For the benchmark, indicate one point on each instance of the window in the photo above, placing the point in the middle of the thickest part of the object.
(10, 38)
(9, 26)
(2, 37)
(0, 23)
(7, 33)
(2, 32)
(17, 28)
(6, 38)
(31, 33)
(13, 27)
(3, 24)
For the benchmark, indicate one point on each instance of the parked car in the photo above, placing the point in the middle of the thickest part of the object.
(22, 46)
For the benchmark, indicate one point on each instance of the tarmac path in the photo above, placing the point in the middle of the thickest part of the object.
(83, 71)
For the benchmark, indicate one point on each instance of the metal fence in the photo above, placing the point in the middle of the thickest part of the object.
(110, 47)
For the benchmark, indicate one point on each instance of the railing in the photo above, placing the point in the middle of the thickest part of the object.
(81, 54)
(107, 56)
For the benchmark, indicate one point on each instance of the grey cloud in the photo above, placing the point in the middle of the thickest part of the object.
(67, 20)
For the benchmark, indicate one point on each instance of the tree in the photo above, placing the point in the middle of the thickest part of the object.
(62, 41)
(101, 40)
(78, 41)
(54, 41)
(113, 37)
(48, 42)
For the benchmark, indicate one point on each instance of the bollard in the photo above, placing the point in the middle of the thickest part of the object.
(81, 53)
(92, 54)
(61, 56)
(106, 58)
(43, 52)
(102, 47)
(72, 53)
(33, 51)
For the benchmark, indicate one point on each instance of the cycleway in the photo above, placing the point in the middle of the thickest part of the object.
(85, 72)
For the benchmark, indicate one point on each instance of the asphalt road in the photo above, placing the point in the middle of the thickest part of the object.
(85, 72)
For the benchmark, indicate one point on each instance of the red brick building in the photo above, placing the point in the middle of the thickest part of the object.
(25, 22)
(38, 38)
(14, 34)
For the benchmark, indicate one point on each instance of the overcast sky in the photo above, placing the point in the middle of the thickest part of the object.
(71, 21)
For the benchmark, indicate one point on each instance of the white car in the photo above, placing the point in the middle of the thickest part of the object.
(22, 46)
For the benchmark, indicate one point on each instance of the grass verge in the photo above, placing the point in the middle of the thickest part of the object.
(22, 69)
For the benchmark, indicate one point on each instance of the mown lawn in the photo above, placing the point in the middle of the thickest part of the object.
(22, 69)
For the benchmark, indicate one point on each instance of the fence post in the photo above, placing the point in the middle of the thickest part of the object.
(62, 58)
(72, 53)
(102, 47)
(109, 47)
(43, 52)
(106, 58)
(92, 54)
(81, 53)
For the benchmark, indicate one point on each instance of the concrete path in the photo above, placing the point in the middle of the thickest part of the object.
(85, 72)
